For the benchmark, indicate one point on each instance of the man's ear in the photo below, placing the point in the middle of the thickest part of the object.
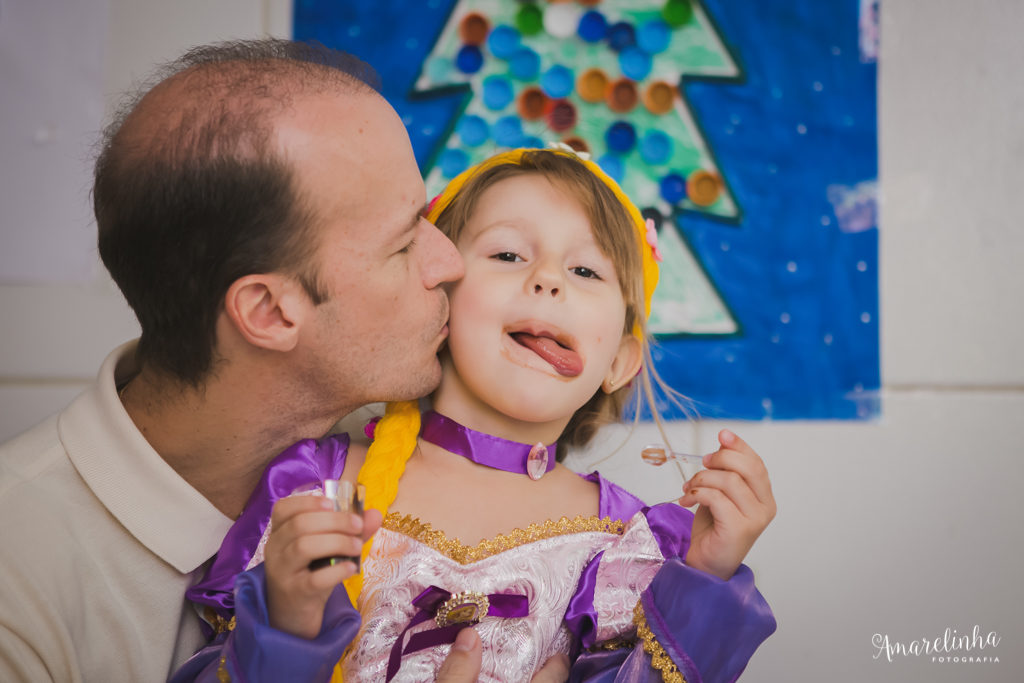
(625, 365)
(267, 310)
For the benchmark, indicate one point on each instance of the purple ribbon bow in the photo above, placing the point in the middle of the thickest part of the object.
(453, 613)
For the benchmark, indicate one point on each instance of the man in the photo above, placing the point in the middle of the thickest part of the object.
(260, 209)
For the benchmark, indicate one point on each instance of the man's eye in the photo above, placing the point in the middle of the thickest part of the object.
(583, 271)
(510, 257)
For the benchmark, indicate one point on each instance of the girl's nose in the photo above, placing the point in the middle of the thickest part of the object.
(547, 280)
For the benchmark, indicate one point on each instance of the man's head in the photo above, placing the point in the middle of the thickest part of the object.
(248, 201)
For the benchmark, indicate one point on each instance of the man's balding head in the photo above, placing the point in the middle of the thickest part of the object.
(191, 193)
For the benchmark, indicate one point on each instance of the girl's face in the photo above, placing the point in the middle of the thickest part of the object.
(537, 322)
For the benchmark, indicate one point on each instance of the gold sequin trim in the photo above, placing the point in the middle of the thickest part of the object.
(217, 622)
(463, 554)
(222, 670)
(659, 658)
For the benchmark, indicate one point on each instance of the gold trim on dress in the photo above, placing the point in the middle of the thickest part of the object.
(659, 658)
(454, 549)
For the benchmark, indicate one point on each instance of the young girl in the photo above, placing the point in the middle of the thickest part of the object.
(481, 526)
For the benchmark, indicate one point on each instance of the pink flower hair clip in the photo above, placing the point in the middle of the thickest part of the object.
(652, 240)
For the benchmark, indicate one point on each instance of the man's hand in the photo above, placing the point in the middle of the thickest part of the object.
(736, 504)
(463, 664)
(306, 528)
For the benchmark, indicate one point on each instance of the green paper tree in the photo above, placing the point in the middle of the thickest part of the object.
(535, 80)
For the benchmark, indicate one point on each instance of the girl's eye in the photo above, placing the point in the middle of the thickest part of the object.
(508, 256)
(583, 271)
(407, 248)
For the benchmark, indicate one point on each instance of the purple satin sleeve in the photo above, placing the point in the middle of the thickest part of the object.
(615, 666)
(255, 652)
(670, 524)
(614, 501)
(705, 623)
(708, 627)
(306, 462)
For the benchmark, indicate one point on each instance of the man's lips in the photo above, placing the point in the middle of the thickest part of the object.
(566, 361)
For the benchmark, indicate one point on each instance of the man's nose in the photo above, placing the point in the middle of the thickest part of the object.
(442, 262)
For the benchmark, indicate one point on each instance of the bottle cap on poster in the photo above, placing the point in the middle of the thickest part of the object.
(622, 95)
(558, 81)
(635, 63)
(473, 130)
(703, 187)
(677, 12)
(473, 28)
(655, 147)
(532, 103)
(659, 97)
(620, 137)
(653, 36)
(529, 19)
(593, 27)
(560, 115)
(453, 161)
(592, 85)
(577, 143)
(620, 36)
(672, 188)
(508, 131)
(613, 165)
(503, 41)
(497, 92)
(469, 59)
(524, 64)
(562, 19)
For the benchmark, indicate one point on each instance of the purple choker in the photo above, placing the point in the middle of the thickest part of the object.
(487, 450)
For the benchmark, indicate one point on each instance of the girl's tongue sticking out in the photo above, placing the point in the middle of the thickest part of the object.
(564, 360)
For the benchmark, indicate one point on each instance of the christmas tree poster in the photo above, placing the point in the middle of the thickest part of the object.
(745, 130)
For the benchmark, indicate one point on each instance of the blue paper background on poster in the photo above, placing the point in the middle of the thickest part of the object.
(795, 138)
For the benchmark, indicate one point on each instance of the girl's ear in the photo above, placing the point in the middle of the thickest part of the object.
(266, 309)
(625, 364)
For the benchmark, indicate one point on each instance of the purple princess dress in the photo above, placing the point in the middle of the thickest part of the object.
(610, 591)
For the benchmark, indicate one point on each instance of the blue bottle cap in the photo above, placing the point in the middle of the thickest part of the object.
(469, 59)
(524, 64)
(558, 81)
(621, 35)
(593, 27)
(673, 188)
(473, 130)
(497, 92)
(508, 131)
(503, 41)
(453, 162)
(655, 147)
(613, 166)
(620, 137)
(653, 36)
(635, 63)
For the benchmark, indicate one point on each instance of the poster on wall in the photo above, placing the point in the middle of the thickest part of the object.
(745, 130)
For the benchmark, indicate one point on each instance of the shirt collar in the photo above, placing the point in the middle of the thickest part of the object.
(159, 508)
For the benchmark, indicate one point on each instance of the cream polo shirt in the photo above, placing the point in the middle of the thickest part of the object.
(99, 538)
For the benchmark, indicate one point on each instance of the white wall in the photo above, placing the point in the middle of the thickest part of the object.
(904, 526)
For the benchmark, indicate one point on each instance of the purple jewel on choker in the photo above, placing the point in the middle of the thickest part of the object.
(485, 449)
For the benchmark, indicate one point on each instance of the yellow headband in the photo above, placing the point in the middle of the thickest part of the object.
(644, 228)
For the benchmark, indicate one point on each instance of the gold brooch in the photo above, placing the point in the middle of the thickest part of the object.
(469, 607)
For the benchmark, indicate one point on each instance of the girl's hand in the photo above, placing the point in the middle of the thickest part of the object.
(306, 528)
(736, 504)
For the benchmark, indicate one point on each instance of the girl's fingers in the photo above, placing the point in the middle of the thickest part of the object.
(747, 464)
(296, 556)
(722, 509)
(733, 486)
